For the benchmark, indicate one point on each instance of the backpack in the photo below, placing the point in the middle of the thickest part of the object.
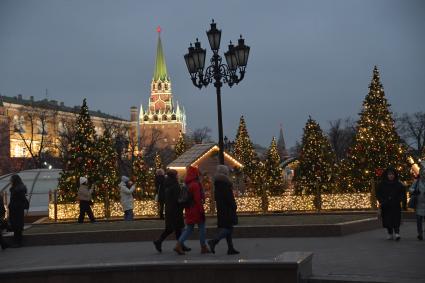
(185, 197)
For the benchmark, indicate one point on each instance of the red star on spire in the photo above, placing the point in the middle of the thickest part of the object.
(158, 29)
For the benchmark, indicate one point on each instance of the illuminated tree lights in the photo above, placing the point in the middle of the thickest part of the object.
(315, 174)
(273, 171)
(143, 177)
(81, 157)
(376, 144)
(181, 145)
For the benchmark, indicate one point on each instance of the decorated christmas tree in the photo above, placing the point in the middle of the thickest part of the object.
(106, 173)
(244, 151)
(81, 157)
(376, 144)
(181, 145)
(273, 171)
(316, 171)
(143, 177)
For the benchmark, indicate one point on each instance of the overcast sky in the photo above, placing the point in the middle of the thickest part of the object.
(307, 57)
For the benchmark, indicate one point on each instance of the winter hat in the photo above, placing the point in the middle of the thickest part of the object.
(124, 179)
(83, 180)
(222, 170)
(160, 172)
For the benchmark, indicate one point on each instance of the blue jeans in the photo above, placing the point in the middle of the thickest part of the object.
(128, 215)
(419, 221)
(188, 231)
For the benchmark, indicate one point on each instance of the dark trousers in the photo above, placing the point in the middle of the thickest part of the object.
(17, 236)
(393, 230)
(85, 208)
(169, 231)
(161, 209)
(419, 221)
(225, 233)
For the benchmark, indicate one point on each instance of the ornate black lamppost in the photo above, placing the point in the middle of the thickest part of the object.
(231, 73)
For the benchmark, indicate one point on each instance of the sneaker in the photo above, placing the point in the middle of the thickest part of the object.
(397, 237)
(420, 237)
(157, 245)
(211, 244)
(390, 236)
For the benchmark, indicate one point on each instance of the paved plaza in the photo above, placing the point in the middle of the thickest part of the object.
(363, 256)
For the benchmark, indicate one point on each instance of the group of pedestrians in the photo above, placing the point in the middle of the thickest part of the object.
(194, 213)
(391, 195)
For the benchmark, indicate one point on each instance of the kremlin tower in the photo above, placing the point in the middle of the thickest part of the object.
(162, 120)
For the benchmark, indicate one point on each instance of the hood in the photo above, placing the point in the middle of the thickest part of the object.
(83, 180)
(124, 179)
(191, 174)
(222, 178)
(385, 174)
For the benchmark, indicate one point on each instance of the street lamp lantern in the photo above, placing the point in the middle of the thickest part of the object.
(242, 52)
(217, 72)
(214, 36)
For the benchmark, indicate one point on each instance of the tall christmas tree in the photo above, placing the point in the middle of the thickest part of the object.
(316, 171)
(81, 157)
(244, 150)
(107, 176)
(376, 145)
(143, 176)
(273, 171)
(181, 145)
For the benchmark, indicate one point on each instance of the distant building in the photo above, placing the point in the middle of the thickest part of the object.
(28, 124)
(162, 120)
(281, 146)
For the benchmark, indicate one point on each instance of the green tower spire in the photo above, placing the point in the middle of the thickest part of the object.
(160, 72)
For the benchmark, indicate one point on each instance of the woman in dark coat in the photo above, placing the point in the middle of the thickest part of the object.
(16, 208)
(173, 211)
(226, 209)
(390, 194)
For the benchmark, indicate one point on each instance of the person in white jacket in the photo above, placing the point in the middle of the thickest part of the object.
(126, 192)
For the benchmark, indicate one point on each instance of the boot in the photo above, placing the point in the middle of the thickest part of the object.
(186, 249)
(157, 245)
(179, 249)
(204, 249)
(232, 251)
(420, 237)
(212, 244)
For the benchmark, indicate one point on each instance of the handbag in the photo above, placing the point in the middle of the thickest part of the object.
(414, 197)
(26, 203)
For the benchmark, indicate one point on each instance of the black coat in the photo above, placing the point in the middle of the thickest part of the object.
(173, 211)
(390, 196)
(17, 206)
(159, 185)
(225, 201)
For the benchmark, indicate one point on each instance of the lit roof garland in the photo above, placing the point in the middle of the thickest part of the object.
(376, 144)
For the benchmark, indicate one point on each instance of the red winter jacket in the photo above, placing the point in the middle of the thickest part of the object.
(196, 213)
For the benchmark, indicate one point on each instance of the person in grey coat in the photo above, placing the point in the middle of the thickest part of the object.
(418, 189)
(85, 198)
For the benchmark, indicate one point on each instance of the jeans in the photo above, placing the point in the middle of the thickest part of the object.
(188, 231)
(128, 215)
(419, 221)
(225, 233)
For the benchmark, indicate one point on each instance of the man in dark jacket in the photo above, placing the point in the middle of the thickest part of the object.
(226, 209)
(173, 211)
(160, 191)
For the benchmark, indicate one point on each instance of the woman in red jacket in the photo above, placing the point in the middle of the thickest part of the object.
(195, 214)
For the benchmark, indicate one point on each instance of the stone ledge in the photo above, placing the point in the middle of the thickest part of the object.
(291, 267)
(134, 235)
